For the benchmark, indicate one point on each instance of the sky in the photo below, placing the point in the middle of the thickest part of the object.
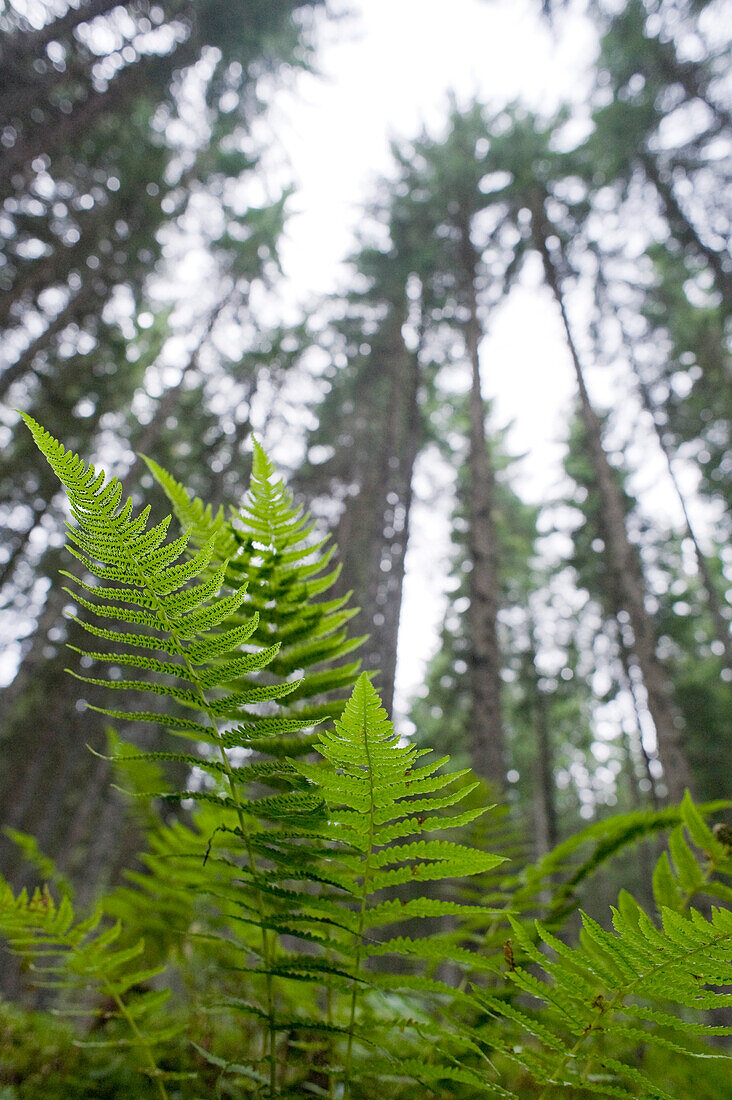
(385, 72)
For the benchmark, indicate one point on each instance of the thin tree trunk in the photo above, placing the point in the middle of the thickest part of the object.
(546, 832)
(406, 429)
(373, 529)
(488, 752)
(684, 229)
(626, 662)
(622, 557)
(720, 623)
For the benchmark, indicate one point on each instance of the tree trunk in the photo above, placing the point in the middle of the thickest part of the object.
(627, 665)
(683, 228)
(720, 623)
(546, 832)
(622, 556)
(488, 753)
(373, 529)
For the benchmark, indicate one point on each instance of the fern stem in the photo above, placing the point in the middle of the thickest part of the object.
(155, 1069)
(270, 1046)
(361, 919)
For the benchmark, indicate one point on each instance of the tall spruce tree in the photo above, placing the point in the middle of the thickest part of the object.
(537, 203)
(443, 206)
(93, 170)
(651, 83)
(371, 426)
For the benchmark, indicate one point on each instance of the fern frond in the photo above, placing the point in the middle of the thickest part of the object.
(697, 864)
(565, 873)
(268, 545)
(180, 609)
(598, 998)
(84, 960)
(372, 784)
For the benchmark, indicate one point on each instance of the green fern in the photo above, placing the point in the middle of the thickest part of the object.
(176, 608)
(268, 542)
(696, 865)
(562, 874)
(604, 997)
(84, 960)
(638, 984)
(382, 808)
(295, 878)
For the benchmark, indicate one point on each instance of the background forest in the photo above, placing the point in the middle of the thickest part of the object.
(568, 633)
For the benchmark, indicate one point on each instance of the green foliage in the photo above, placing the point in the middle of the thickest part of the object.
(266, 545)
(176, 607)
(306, 927)
(380, 806)
(602, 997)
(82, 958)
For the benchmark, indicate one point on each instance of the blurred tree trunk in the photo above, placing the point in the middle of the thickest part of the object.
(488, 751)
(622, 556)
(373, 529)
(720, 623)
(683, 228)
(546, 830)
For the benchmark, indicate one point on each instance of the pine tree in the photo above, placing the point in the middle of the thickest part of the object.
(371, 429)
(644, 79)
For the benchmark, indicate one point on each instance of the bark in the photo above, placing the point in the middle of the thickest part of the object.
(488, 752)
(630, 683)
(373, 529)
(546, 832)
(622, 556)
(405, 428)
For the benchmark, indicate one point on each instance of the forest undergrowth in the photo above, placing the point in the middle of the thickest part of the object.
(316, 906)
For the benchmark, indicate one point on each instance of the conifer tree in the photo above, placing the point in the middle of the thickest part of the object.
(524, 152)
(443, 207)
(371, 428)
(92, 125)
(645, 77)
